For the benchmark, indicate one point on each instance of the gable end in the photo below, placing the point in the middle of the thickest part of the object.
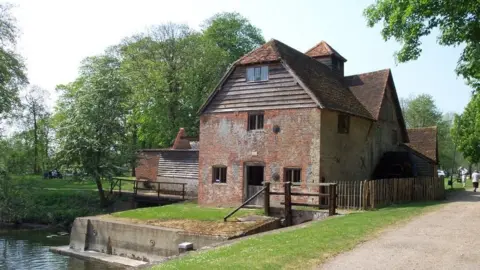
(280, 91)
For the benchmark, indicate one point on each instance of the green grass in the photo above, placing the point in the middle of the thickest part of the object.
(184, 211)
(457, 186)
(37, 181)
(299, 248)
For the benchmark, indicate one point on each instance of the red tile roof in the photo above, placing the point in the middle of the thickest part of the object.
(323, 49)
(369, 88)
(424, 141)
(265, 53)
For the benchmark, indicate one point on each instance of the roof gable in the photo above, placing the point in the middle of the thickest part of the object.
(370, 89)
(424, 141)
(323, 49)
(323, 86)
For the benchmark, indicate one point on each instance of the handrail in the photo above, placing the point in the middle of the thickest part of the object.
(247, 201)
(136, 188)
(302, 184)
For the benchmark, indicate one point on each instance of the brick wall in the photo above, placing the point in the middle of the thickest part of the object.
(147, 166)
(226, 141)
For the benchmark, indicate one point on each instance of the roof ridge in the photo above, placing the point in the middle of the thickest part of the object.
(318, 44)
(370, 72)
(272, 40)
(328, 48)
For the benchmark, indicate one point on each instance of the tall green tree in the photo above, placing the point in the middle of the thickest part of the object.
(34, 111)
(12, 69)
(466, 130)
(421, 111)
(408, 21)
(91, 120)
(170, 71)
(233, 33)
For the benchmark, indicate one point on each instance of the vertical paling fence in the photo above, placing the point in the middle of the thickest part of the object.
(350, 194)
(380, 192)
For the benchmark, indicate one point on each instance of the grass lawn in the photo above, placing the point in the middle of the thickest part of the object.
(188, 211)
(299, 248)
(37, 181)
(457, 186)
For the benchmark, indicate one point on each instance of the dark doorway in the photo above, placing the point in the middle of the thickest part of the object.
(254, 180)
(255, 175)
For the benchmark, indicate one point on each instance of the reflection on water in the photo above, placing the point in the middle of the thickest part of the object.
(28, 249)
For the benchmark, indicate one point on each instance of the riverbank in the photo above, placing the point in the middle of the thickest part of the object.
(52, 202)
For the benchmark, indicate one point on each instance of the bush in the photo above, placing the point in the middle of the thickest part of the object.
(12, 200)
(61, 207)
(20, 203)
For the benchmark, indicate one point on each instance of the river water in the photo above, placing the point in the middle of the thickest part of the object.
(29, 249)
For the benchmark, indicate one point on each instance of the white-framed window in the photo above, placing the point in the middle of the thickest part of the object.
(293, 175)
(255, 121)
(219, 174)
(257, 74)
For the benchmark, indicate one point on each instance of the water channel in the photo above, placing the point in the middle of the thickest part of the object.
(29, 249)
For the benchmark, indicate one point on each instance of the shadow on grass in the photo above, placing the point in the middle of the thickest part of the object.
(410, 204)
(460, 195)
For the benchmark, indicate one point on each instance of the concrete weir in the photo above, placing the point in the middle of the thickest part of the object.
(132, 245)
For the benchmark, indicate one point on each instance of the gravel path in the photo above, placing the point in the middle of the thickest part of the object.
(448, 238)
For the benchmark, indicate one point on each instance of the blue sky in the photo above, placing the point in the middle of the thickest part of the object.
(58, 34)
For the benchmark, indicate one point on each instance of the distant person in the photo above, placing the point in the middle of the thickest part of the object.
(464, 173)
(475, 179)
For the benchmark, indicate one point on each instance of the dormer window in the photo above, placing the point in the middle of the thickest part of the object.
(257, 74)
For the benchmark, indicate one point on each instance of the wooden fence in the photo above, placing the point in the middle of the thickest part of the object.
(380, 192)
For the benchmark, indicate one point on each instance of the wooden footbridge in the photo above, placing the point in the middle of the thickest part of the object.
(150, 192)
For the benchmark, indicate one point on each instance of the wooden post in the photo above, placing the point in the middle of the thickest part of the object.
(319, 197)
(120, 187)
(323, 190)
(288, 204)
(158, 190)
(266, 199)
(183, 191)
(332, 189)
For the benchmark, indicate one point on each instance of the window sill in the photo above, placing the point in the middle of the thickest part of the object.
(220, 184)
(261, 81)
(256, 130)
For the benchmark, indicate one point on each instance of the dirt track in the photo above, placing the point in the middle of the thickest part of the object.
(448, 238)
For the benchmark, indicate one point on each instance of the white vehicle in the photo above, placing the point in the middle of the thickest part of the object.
(441, 173)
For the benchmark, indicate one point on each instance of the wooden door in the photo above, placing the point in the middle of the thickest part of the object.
(254, 179)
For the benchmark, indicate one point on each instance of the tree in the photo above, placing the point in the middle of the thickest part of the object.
(420, 111)
(466, 131)
(12, 76)
(233, 33)
(408, 21)
(91, 120)
(170, 71)
(34, 112)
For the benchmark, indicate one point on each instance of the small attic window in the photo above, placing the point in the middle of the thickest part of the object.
(257, 74)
